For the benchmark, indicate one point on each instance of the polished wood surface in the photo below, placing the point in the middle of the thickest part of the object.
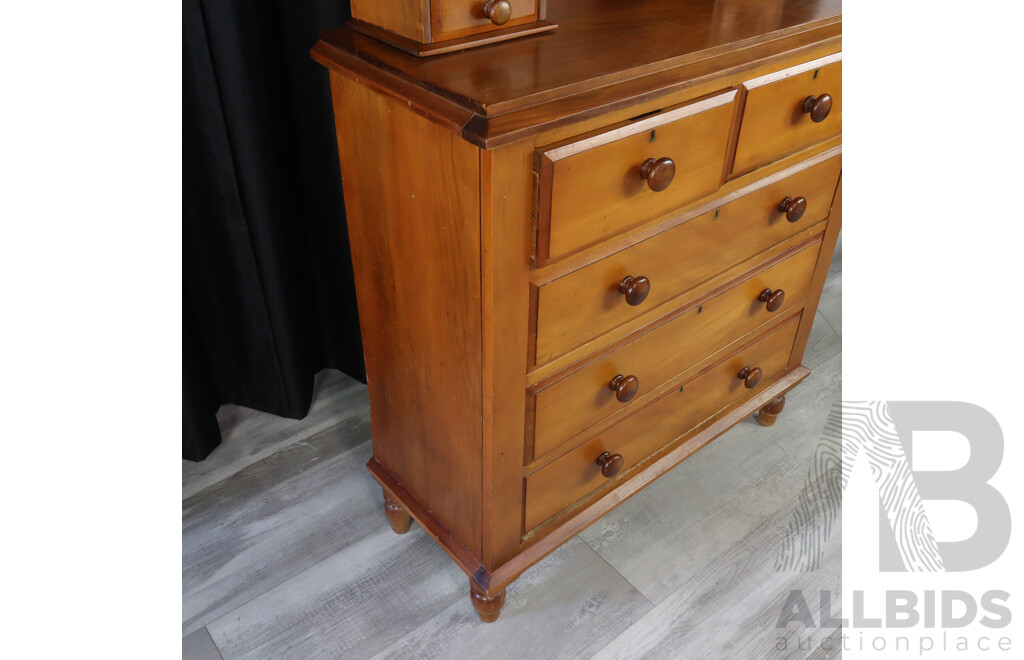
(751, 377)
(487, 607)
(407, 18)
(780, 117)
(418, 291)
(560, 483)
(397, 515)
(767, 415)
(596, 187)
(625, 387)
(599, 40)
(586, 303)
(772, 299)
(581, 269)
(635, 289)
(794, 208)
(572, 402)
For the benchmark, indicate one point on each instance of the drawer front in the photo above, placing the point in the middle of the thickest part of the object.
(574, 403)
(595, 188)
(586, 303)
(467, 16)
(780, 117)
(559, 484)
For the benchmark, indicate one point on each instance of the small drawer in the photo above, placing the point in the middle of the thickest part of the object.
(554, 487)
(465, 17)
(596, 187)
(592, 300)
(613, 382)
(789, 110)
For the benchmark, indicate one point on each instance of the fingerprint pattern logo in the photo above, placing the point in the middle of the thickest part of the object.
(860, 428)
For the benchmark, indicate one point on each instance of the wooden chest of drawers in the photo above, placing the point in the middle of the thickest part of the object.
(576, 265)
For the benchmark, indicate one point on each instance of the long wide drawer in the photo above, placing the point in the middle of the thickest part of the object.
(588, 302)
(559, 484)
(619, 379)
(600, 185)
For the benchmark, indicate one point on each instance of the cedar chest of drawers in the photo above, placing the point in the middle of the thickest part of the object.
(582, 255)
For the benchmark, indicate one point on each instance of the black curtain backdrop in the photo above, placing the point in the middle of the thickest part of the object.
(268, 298)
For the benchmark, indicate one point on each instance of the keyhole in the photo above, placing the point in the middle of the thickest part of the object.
(815, 74)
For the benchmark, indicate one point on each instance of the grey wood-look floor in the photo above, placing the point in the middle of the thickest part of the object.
(286, 552)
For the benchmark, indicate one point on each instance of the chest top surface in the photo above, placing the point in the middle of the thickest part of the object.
(599, 43)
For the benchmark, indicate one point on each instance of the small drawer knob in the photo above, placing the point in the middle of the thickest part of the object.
(611, 464)
(818, 107)
(750, 376)
(635, 289)
(498, 11)
(659, 173)
(625, 387)
(793, 207)
(772, 299)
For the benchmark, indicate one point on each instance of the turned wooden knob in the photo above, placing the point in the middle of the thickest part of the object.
(610, 464)
(625, 387)
(635, 289)
(772, 299)
(818, 107)
(750, 376)
(659, 173)
(498, 11)
(793, 208)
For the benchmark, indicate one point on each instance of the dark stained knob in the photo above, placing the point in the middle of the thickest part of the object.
(610, 464)
(793, 208)
(818, 107)
(659, 173)
(498, 11)
(750, 376)
(625, 387)
(772, 299)
(635, 289)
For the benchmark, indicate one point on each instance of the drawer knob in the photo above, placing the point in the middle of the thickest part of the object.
(772, 299)
(750, 376)
(818, 107)
(625, 387)
(610, 464)
(635, 289)
(793, 208)
(498, 11)
(659, 173)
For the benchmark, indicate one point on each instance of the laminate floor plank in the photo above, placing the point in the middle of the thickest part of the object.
(250, 532)
(248, 436)
(732, 606)
(568, 606)
(286, 552)
(199, 646)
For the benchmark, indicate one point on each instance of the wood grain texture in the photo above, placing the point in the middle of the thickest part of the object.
(594, 188)
(506, 210)
(662, 539)
(585, 303)
(581, 398)
(457, 18)
(774, 122)
(269, 522)
(559, 484)
(408, 18)
(573, 602)
(416, 260)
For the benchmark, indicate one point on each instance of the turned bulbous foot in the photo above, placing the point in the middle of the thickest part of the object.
(487, 608)
(397, 515)
(766, 416)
